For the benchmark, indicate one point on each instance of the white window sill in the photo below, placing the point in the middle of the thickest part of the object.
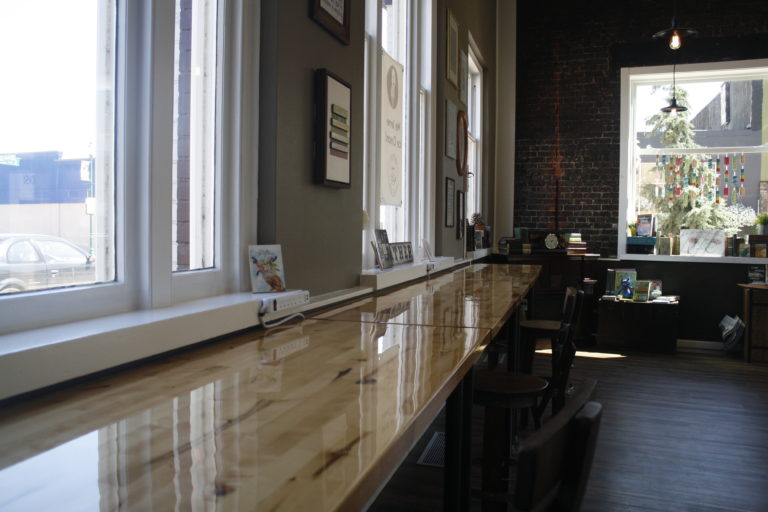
(38, 358)
(694, 259)
(379, 279)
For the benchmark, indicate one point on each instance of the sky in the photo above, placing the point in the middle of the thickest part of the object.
(48, 85)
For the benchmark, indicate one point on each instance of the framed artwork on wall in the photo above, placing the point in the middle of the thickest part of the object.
(460, 214)
(452, 49)
(333, 16)
(450, 191)
(332, 130)
(451, 111)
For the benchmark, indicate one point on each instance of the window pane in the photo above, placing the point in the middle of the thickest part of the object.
(57, 140)
(393, 41)
(194, 149)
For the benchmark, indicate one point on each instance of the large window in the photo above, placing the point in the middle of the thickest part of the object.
(57, 158)
(693, 181)
(113, 146)
(475, 146)
(399, 107)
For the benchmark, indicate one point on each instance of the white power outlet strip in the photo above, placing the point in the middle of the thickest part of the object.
(281, 304)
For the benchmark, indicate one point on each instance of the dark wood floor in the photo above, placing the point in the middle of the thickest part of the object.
(682, 432)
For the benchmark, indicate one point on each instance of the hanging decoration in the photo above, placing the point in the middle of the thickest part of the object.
(713, 178)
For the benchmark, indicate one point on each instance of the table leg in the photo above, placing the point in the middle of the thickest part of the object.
(513, 342)
(458, 438)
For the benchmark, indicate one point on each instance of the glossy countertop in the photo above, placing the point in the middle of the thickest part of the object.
(481, 296)
(310, 416)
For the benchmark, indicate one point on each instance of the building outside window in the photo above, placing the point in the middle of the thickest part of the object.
(694, 181)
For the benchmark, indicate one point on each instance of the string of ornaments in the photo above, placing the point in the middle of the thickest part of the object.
(677, 175)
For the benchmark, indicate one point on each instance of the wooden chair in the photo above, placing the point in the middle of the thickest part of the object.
(534, 329)
(554, 462)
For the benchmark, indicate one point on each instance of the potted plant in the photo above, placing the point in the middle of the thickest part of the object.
(762, 221)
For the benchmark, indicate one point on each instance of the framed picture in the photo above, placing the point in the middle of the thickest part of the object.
(451, 113)
(382, 249)
(266, 266)
(460, 214)
(332, 130)
(450, 190)
(333, 16)
(452, 50)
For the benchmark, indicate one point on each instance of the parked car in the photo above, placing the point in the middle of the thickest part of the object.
(34, 262)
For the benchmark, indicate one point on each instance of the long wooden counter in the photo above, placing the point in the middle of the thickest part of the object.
(312, 416)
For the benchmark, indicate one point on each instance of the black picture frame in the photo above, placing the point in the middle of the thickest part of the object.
(460, 214)
(450, 191)
(333, 141)
(326, 14)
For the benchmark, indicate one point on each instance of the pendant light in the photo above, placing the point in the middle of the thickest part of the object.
(674, 34)
(673, 108)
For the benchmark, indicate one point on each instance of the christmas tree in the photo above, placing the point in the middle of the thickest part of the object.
(693, 191)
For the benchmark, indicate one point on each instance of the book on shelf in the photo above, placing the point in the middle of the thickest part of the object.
(756, 274)
(642, 289)
(624, 273)
(667, 299)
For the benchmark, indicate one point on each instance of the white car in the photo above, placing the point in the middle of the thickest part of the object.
(34, 262)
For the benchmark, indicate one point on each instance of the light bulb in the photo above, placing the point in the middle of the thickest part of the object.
(673, 112)
(674, 41)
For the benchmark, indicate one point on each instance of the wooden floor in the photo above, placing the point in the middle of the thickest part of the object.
(683, 432)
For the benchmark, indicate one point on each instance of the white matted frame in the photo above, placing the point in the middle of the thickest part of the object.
(332, 130)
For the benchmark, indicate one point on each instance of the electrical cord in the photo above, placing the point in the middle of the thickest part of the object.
(268, 325)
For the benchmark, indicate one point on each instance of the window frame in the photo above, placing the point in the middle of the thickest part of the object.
(418, 139)
(634, 76)
(144, 47)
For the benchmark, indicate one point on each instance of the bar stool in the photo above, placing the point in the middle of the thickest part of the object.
(533, 329)
(502, 393)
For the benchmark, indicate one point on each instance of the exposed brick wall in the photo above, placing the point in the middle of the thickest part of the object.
(570, 56)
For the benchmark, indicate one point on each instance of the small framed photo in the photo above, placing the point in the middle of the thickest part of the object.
(450, 191)
(452, 49)
(266, 265)
(382, 249)
(332, 130)
(333, 16)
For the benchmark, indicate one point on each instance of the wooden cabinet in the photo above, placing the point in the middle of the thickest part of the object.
(756, 322)
(638, 325)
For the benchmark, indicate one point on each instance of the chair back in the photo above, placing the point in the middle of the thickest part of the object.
(555, 461)
(563, 353)
(569, 305)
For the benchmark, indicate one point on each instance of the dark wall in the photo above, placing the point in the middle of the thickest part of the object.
(570, 57)
(479, 19)
(319, 228)
(569, 60)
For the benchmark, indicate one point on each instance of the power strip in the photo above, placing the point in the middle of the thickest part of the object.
(281, 304)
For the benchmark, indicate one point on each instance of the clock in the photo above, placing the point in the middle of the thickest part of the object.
(551, 241)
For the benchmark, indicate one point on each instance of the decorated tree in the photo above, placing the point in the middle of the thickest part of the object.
(689, 193)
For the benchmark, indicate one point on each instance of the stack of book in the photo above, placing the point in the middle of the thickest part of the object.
(575, 245)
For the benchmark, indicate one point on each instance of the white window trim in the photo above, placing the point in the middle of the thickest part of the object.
(92, 328)
(421, 42)
(633, 76)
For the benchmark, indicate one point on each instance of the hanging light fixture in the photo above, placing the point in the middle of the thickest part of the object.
(673, 108)
(674, 34)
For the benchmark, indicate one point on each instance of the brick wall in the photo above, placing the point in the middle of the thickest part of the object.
(570, 55)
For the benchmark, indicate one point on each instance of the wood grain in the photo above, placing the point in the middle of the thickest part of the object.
(310, 416)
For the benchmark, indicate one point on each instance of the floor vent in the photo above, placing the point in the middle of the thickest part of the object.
(434, 452)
